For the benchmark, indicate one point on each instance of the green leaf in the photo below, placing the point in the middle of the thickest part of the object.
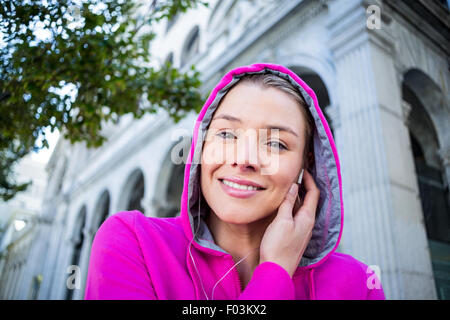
(106, 43)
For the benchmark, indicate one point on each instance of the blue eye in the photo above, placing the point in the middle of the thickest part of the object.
(280, 146)
(229, 135)
(220, 134)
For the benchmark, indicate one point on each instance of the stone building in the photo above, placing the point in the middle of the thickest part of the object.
(19, 220)
(380, 70)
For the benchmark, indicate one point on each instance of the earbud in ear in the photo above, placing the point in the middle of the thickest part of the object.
(300, 177)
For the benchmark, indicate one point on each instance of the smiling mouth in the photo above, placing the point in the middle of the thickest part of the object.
(239, 186)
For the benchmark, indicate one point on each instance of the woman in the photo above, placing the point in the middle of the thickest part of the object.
(245, 230)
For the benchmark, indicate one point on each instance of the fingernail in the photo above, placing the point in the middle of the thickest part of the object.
(292, 189)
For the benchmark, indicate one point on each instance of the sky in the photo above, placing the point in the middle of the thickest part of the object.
(44, 154)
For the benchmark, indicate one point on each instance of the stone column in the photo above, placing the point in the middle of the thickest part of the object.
(3, 272)
(9, 280)
(10, 277)
(20, 277)
(52, 270)
(58, 267)
(26, 280)
(15, 279)
(84, 261)
(49, 266)
(383, 223)
(40, 246)
(59, 286)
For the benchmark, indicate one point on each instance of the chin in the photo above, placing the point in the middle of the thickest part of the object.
(240, 215)
(236, 216)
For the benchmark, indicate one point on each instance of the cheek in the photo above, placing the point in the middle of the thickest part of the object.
(217, 153)
(212, 158)
(212, 153)
(285, 176)
(206, 175)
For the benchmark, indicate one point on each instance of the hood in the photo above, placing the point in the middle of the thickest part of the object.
(327, 230)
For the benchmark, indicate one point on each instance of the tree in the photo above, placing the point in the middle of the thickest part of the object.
(74, 65)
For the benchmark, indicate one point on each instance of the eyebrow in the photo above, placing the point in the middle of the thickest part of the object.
(270, 127)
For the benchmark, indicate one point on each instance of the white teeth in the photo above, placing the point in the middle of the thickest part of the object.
(239, 186)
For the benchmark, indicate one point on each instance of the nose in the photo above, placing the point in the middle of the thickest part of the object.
(247, 157)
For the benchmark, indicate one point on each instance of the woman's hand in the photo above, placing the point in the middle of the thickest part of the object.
(286, 238)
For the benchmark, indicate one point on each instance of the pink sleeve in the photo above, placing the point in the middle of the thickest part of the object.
(270, 281)
(372, 283)
(374, 288)
(116, 268)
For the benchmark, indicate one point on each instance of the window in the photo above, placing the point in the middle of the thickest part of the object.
(171, 22)
(191, 46)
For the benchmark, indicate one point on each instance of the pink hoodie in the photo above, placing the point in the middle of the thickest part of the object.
(139, 257)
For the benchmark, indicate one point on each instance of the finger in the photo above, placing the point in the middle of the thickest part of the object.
(309, 182)
(311, 199)
(286, 207)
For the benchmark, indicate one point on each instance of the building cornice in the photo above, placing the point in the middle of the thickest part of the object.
(427, 17)
(251, 35)
(143, 131)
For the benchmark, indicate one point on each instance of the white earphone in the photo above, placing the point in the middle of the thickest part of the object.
(300, 177)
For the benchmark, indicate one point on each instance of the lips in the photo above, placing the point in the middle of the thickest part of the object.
(235, 191)
(242, 182)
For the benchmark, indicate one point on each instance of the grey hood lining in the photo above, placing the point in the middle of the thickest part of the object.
(326, 231)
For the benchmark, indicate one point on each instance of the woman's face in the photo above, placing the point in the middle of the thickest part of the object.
(244, 145)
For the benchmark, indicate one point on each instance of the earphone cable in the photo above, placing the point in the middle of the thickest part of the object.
(195, 266)
(190, 243)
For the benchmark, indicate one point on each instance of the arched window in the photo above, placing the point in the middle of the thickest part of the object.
(61, 176)
(425, 121)
(101, 210)
(444, 3)
(167, 197)
(191, 46)
(77, 242)
(171, 22)
(315, 82)
(134, 203)
(133, 192)
(169, 59)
